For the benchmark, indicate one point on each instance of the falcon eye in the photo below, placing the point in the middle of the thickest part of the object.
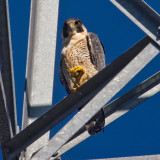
(77, 22)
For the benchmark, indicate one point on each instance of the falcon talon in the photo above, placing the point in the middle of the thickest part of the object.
(77, 69)
(78, 85)
(74, 89)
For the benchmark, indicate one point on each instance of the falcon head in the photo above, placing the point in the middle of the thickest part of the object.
(71, 27)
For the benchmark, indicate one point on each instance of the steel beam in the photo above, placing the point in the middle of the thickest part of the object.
(142, 15)
(109, 89)
(119, 107)
(5, 122)
(83, 94)
(40, 65)
(147, 157)
(7, 64)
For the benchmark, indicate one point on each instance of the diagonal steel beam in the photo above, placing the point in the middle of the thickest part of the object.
(119, 107)
(146, 49)
(142, 15)
(109, 89)
(148, 157)
(6, 61)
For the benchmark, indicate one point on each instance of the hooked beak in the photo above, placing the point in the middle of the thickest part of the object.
(72, 26)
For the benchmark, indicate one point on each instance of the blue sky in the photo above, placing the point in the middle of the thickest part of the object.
(137, 132)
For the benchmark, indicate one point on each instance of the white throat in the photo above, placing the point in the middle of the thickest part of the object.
(74, 39)
(68, 42)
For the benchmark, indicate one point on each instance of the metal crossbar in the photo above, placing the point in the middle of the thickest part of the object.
(119, 107)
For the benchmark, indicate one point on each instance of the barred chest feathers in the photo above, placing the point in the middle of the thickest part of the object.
(76, 52)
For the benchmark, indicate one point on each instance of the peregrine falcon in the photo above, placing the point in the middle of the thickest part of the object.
(82, 57)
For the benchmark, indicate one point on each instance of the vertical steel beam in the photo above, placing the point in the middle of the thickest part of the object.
(5, 121)
(40, 65)
(7, 64)
(119, 107)
(100, 99)
(142, 15)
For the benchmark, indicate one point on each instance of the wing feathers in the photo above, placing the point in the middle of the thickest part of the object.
(62, 78)
(96, 51)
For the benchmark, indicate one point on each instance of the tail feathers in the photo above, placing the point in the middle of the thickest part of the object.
(96, 124)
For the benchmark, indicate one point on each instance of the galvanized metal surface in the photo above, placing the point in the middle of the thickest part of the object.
(142, 15)
(7, 64)
(75, 100)
(119, 107)
(147, 53)
(40, 65)
(150, 157)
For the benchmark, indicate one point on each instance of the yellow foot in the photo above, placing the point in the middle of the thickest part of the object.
(77, 72)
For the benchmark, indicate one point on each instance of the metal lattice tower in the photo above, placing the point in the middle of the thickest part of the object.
(38, 114)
